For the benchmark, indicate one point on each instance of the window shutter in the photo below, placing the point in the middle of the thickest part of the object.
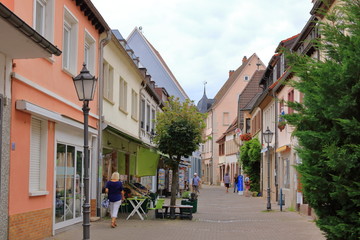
(35, 155)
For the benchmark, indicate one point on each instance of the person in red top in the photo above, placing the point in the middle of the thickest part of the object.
(115, 191)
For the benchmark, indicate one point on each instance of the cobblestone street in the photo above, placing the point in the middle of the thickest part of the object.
(220, 215)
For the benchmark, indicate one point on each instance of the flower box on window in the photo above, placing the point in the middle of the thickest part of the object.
(246, 137)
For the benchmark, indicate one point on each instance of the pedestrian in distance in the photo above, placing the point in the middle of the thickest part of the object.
(115, 191)
(247, 187)
(227, 181)
(236, 180)
(196, 181)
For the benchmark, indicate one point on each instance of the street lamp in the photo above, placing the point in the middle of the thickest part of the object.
(85, 85)
(267, 138)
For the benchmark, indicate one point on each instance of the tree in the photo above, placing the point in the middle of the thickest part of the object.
(178, 133)
(328, 123)
(250, 159)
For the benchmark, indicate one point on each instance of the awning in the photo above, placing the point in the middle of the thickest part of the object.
(283, 148)
(19, 40)
(113, 129)
(147, 162)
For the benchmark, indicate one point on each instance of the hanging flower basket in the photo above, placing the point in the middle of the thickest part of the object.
(245, 137)
(281, 125)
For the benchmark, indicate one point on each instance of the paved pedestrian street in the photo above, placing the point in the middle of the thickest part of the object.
(220, 215)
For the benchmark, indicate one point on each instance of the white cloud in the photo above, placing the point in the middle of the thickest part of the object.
(202, 40)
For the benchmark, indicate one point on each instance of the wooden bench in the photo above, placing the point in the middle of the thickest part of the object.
(185, 211)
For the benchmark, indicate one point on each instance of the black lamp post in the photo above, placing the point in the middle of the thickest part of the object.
(267, 138)
(85, 85)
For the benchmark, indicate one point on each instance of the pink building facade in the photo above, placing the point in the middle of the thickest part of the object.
(46, 157)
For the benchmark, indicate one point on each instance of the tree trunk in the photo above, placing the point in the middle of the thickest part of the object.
(174, 187)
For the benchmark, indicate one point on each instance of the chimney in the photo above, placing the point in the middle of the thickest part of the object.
(244, 59)
(231, 72)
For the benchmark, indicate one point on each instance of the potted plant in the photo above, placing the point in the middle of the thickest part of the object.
(246, 137)
(281, 125)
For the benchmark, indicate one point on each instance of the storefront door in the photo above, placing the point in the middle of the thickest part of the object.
(69, 185)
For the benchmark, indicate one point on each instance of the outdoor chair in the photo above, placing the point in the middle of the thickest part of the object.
(158, 206)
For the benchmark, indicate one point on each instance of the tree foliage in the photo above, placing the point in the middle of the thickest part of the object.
(328, 123)
(178, 133)
(250, 159)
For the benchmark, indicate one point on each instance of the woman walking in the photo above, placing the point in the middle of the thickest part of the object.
(115, 191)
(227, 181)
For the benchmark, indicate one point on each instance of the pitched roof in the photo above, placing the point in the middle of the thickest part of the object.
(230, 129)
(252, 102)
(287, 43)
(205, 103)
(221, 93)
(162, 62)
(251, 89)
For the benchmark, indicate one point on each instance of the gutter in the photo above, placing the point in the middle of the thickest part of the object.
(28, 31)
(102, 44)
(276, 145)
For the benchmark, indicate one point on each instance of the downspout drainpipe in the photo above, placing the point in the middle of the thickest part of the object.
(212, 148)
(276, 146)
(102, 44)
(262, 144)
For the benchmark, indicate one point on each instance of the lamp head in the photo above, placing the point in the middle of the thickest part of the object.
(85, 85)
(268, 135)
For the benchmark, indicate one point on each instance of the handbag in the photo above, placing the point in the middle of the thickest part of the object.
(105, 203)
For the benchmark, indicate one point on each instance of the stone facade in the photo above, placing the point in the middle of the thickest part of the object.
(4, 186)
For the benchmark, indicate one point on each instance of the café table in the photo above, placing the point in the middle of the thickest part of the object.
(136, 202)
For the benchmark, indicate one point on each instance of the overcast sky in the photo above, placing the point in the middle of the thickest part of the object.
(201, 40)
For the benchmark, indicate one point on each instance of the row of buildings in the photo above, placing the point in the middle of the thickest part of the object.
(43, 45)
(251, 100)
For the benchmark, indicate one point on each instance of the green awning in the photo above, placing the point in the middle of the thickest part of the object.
(147, 162)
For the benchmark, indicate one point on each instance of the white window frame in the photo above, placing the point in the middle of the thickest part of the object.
(143, 113)
(123, 95)
(69, 54)
(47, 21)
(38, 157)
(134, 104)
(148, 118)
(108, 74)
(282, 64)
(152, 123)
(226, 118)
(89, 52)
(246, 78)
(286, 167)
(275, 73)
